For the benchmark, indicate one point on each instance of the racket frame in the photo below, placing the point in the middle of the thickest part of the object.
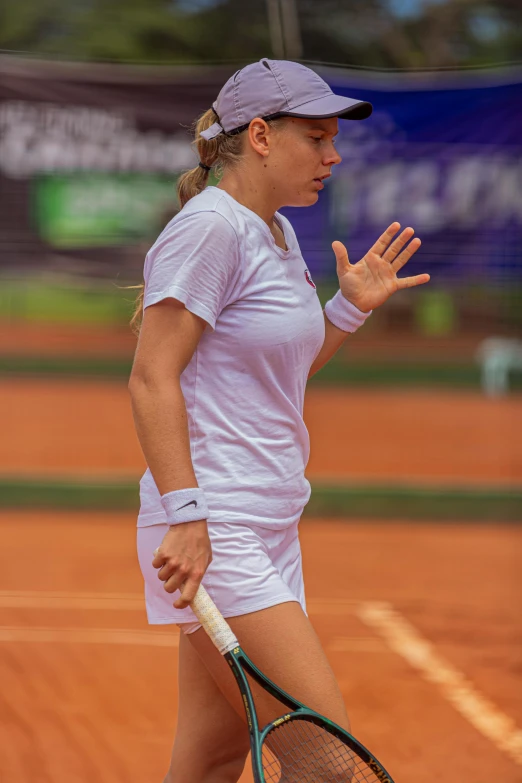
(239, 662)
(226, 642)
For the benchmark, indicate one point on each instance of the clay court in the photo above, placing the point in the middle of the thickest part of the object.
(421, 622)
(85, 427)
(421, 625)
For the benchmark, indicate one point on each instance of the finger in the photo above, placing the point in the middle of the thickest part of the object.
(406, 254)
(410, 282)
(384, 240)
(396, 247)
(341, 257)
(188, 591)
(167, 570)
(158, 558)
(175, 581)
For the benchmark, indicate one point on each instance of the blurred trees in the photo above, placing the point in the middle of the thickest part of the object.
(412, 33)
(374, 33)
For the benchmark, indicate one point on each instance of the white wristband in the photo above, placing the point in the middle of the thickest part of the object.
(344, 314)
(184, 505)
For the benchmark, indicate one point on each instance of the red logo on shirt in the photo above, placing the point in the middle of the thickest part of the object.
(309, 278)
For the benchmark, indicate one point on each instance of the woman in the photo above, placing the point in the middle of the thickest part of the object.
(232, 328)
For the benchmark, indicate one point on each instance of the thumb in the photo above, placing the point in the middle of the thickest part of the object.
(341, 255)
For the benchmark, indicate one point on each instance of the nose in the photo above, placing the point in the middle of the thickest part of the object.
(332, 156)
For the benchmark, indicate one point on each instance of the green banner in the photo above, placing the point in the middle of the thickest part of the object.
(93, 209)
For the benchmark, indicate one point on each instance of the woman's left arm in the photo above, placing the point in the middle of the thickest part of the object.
(369, 283)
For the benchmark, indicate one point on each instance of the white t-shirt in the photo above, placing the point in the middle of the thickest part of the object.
(244, 386)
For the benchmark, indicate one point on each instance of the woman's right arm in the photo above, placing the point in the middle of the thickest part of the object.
(168, 338)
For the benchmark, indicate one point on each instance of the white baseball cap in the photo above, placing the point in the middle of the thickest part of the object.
(278, 88)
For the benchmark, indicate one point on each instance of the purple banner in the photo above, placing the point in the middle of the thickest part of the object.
(83, 147)
(443, 156)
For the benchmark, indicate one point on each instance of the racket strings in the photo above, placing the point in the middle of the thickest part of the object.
(300, 751)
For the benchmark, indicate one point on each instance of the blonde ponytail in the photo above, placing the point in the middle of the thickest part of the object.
(222, 152)
(137, 315)
(219, 153)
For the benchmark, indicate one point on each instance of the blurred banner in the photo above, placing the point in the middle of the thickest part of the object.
(442, 155)
(90, 153)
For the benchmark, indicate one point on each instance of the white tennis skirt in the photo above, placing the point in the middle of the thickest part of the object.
(252, 568)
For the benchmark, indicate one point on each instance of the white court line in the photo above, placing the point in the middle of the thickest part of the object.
(404, 639)
(28, 599)
(397, 632)
(128, 636)
(57, 600)
(32, 599)
(125, 636)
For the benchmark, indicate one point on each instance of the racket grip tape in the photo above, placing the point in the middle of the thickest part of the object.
(213, 621)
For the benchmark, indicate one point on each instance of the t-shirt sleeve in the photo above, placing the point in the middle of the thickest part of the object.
(196, 261)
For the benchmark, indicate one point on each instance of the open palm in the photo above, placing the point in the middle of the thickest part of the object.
(371, 281)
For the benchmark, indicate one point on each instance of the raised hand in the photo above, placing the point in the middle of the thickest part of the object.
(373, 279)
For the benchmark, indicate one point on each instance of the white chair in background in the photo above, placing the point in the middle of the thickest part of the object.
(498, 355)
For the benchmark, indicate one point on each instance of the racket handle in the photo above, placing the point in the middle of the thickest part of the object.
(213, 621)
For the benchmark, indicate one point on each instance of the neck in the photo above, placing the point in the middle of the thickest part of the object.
(251, 193)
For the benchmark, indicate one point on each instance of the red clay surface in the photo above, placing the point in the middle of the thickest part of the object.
(18, 337)
(22, 338)
(73, 427)
(89, 689)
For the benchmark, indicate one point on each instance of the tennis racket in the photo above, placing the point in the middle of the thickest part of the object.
(301, 746)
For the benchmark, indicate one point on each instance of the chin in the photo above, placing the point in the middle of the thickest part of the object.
(305, 199)
(312, 199)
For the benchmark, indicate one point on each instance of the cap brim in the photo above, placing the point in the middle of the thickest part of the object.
(332, 106)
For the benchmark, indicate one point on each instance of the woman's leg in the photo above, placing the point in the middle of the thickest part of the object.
(211, 743)
(281, 641)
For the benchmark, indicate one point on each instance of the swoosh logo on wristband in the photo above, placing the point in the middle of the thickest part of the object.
(190, 503)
